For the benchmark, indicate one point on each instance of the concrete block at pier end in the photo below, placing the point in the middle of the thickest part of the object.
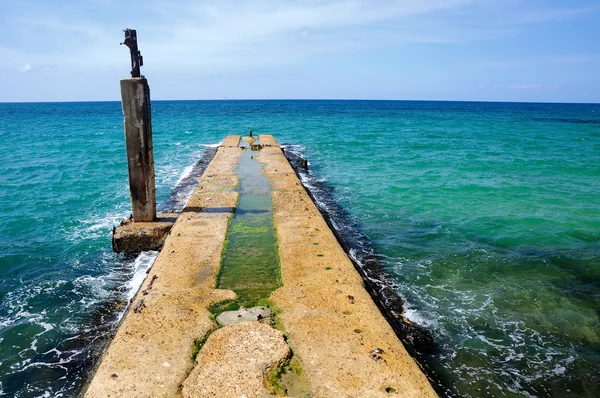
(231, 141)
(267, 140)
(134, 237)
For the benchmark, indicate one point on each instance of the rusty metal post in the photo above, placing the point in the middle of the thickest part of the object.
(135, 96)
(136, 57)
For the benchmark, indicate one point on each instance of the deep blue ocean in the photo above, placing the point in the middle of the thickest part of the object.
(485, 216)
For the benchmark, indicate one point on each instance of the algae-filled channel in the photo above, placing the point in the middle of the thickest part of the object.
(250, 262)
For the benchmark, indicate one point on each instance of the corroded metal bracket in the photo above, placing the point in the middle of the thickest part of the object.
(136, 57)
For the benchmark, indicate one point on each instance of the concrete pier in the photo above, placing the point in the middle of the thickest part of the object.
(327, 325)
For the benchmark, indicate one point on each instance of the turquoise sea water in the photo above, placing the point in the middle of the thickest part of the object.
(485, 216)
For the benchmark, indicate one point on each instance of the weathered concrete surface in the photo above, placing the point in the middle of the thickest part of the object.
(344, 343)
(267, 140)
(150, 354)
(231, 141)
(135, 96)
(235, 360)
(134, 237)
(254, 314)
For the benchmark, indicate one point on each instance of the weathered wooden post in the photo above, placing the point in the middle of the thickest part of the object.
(135, 95)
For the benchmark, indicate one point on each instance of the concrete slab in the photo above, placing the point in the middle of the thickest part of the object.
(267, 140)
(134, 237)
(231, 141)
(235, 361)
(254, 314)
(150, 355)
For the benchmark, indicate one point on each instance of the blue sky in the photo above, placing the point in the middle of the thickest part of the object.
(484, 50)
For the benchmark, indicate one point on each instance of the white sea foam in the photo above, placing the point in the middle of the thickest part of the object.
(559, 370)
(417, 317)
(97, 226)
(47, 364)
(94, 289)
(91, 288)
(55, 350)
(141, 266)
(296, 149)
(18, 366)
(305, 179)
(353, 254)
(170, 175)
(186, 172)
(47, 327)
(491, 342)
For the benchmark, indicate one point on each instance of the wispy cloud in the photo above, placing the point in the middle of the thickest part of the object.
(532, 87)
(267, 32)
(210, 35)
(25, 68)
(214, 41)
(552, 14)
(557, 59)
(227, 34)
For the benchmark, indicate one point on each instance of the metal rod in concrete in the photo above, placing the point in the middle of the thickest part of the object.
(135, 94)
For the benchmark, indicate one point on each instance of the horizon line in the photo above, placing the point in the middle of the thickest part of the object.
(309, 99)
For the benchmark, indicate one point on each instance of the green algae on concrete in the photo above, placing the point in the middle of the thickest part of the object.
(198, 344)
(289, 379)
(250, 260)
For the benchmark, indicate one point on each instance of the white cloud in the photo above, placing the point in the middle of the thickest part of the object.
(213, 36)
(263, 33)
(25, 68)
